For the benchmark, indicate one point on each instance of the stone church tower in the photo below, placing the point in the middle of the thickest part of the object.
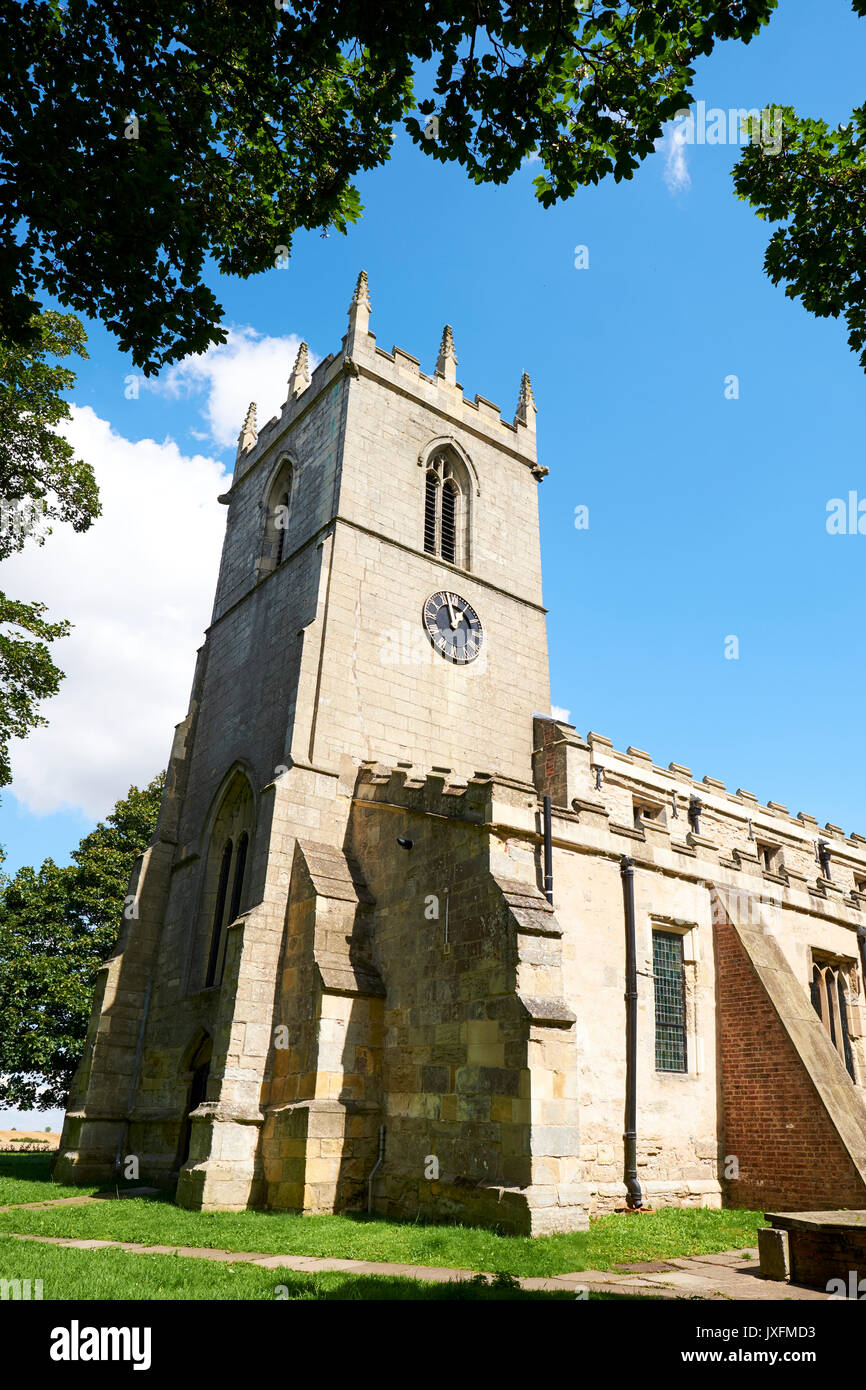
(403, 939)
(297, 976)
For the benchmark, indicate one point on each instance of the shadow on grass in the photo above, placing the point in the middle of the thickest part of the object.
(35, 1167)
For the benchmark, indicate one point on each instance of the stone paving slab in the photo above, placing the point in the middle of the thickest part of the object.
(645, 1267)
(601, 1277)
(733, 1260)
(724, 1276)
(601, 1281)
(741, 1283)
(191, 1252)
(678, 1279)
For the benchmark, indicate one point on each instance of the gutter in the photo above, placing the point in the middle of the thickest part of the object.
(548, 851)
(634, 1195)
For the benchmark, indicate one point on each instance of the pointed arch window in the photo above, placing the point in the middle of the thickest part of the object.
(446, 509)
(278, 520)
(219, 915)
(829, 989)
(225, 882)
(240, 867)
(282, 519)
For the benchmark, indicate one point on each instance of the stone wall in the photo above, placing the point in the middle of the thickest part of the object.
(478, 1059)
(323, 1092)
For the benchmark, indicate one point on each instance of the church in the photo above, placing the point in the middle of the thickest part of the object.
(405, 942)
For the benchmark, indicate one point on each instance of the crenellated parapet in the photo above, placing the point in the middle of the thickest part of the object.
(653, 811)
(434, 791)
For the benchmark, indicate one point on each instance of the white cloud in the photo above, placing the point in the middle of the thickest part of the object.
(676, 170)
(562, 715)
(139, 587)
(249, 366)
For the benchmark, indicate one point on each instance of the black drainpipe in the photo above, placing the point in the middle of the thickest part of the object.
(861, 937)
(548, 851)
(634, 1195)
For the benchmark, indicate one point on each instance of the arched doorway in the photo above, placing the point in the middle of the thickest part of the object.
(199, 1066)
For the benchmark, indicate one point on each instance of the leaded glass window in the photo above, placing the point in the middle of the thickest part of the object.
(670, 1001)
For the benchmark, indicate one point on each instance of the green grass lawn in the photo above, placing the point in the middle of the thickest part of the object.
(26, 1177)
(612, 1240)
(113, 1274)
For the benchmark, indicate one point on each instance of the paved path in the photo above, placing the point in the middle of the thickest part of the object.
(731, 1275)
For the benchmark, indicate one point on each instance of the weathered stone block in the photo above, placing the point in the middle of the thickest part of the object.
(773, 1253)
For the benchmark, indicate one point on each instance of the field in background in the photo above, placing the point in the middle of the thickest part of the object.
(16, 1138)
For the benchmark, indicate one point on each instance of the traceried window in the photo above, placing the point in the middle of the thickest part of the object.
(225, 879)
(219, 914)
(446, 509)
(670, 1001)
(829, 995)
(240, 868)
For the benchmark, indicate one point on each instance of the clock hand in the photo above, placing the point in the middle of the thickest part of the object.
(450, 602)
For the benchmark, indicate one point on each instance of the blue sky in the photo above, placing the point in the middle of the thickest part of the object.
(706, 515)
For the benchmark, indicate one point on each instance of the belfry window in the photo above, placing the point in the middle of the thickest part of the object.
(282, 519)
(278, 520)
(431, 509)
(446, 509)
(670, 1001)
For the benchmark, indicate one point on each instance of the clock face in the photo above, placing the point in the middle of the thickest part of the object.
(453, 626)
